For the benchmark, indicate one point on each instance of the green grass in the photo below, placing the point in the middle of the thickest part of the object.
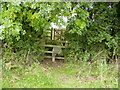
(67, 76)
(30, 77)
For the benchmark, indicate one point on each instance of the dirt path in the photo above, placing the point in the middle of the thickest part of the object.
(64, 79)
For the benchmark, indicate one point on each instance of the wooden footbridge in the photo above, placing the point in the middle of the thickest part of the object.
(54, 44)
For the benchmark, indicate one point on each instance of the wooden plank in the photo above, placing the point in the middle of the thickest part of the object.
(53, 46)
(60, 29)
(57, 41)
(48, 51)
(55, 57)
(53, 34)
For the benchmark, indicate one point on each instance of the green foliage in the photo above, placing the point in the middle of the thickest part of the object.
(92, 30)
(23, 24)
(92, 33)
(91, 27)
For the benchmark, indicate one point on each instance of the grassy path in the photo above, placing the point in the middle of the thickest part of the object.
(58, 75)
(64, 80)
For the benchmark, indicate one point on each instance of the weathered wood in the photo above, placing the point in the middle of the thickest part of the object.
(48, 40)
(53, 34)
(48, 51)
(53, 46)
(57, 35)
(55, 57)
(60, 30)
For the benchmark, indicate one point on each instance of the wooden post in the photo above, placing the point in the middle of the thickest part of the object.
(52, 34)
(53, 58)
(53, 55)
(56, 37)
(53, 37)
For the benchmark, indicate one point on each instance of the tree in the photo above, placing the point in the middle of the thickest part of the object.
(92, 27)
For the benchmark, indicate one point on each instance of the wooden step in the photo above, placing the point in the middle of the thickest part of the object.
(53, 46)
(51, 52)
(55, 57)
(48, 51)
(57, 41)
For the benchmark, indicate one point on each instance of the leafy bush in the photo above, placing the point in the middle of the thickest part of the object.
(94, 31)
(92, 27)
(24, 24)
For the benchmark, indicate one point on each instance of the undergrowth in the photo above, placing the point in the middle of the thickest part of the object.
(67, 75)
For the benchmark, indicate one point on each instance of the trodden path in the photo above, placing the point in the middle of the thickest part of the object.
(66, 80)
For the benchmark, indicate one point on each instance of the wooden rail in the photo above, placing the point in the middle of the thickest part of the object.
(53, 46)
(54, 37)
(57, 41)
(48, 51)
(55, 57)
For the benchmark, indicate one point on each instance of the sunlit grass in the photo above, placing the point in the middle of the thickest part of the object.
(67, 76)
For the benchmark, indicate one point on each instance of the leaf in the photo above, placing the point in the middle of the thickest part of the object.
(73, 12)
(80, 23)
(18, 38)
(68, 4)
(77, 22)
